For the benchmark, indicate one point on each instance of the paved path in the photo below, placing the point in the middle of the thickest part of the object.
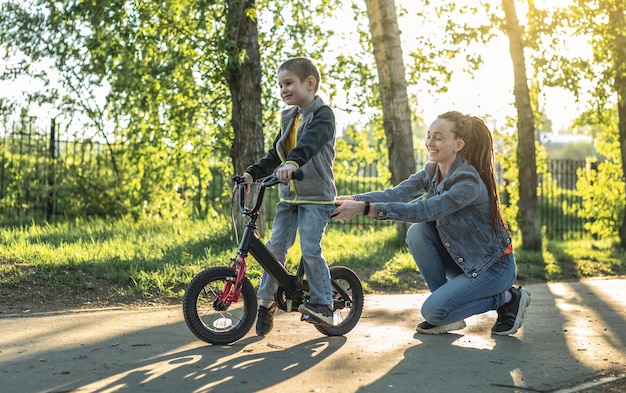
(572, 332)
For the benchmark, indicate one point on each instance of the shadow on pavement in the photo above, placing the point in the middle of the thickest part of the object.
(572, 332)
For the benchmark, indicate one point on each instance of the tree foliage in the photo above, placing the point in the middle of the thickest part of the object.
(601, 183)
(163, 67)
(603, 22)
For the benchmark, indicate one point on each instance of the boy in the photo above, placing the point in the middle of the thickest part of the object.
(306, 141)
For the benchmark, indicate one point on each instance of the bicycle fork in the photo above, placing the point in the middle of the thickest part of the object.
(233, 285)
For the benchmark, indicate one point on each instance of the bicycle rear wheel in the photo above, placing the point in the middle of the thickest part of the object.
(210, 324)
(347, 302)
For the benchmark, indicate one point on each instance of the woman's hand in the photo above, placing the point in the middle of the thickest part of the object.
(347, 208)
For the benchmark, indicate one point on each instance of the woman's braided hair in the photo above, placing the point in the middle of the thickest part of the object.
(478, 151)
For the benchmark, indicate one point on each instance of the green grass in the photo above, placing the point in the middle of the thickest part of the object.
(128, 259)
(156, 259)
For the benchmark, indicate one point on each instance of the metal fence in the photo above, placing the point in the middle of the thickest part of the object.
(35, 182)
(559, 200)
(40, 170)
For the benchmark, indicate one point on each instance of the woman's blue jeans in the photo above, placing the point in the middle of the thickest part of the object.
(454, 295)
(310, 220)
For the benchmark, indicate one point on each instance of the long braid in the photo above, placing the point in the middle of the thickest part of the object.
(478, 151)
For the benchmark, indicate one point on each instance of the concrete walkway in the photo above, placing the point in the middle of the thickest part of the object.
(573, 332)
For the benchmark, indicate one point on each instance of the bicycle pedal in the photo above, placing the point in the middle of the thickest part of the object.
(310, 319)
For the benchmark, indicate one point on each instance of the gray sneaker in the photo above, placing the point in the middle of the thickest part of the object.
(427, 328)
(321, 312)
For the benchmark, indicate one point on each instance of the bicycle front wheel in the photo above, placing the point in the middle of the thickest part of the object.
(212, 325)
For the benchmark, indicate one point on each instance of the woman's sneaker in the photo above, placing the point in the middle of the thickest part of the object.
(265, 319)
(511, 315)
(321, 312)
(427, 328)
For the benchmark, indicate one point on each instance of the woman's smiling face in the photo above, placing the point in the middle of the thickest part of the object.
(442, 143)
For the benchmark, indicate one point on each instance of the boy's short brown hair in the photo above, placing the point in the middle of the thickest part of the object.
(303, 67)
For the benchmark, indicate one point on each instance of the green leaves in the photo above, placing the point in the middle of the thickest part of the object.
(150, 78)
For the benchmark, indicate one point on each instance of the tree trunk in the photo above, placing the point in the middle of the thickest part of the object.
(528, 219)
(616, 20)
(392, 82)
(243, 74)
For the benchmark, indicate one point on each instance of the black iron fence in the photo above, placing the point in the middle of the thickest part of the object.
(41, 170)
(559, 200)
(40, 176)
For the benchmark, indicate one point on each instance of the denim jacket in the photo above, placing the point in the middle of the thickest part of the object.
(458, 206)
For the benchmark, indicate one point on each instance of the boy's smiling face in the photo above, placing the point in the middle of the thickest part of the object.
(294, 91)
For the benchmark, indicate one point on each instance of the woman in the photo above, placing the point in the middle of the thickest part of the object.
(459, 239)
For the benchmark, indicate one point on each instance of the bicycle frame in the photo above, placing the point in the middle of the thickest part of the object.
(251, 244)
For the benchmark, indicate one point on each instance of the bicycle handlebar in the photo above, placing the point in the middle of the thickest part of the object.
(272, 180)
(269, 181)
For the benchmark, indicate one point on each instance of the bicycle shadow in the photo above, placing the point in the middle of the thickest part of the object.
(215, 368)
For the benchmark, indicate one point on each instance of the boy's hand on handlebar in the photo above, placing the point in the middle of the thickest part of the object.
(285, 172)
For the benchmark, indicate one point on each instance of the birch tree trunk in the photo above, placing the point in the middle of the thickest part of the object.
(528, 219)
(392, 81)
(616, 19)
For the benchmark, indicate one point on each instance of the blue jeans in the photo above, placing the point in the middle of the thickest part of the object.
(311, 221)
(454, 295)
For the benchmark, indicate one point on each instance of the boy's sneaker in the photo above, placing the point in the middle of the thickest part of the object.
(427, 328)
(265, 319)
(321, 312)
(511, 314)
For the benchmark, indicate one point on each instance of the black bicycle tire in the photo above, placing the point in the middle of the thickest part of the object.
(193, 319)
(358, 298)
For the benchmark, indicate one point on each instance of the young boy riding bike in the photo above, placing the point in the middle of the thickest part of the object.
(306, 141)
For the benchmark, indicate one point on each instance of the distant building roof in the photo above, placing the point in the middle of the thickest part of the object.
(549, 138)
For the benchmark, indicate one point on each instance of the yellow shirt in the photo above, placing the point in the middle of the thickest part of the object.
(290, 143)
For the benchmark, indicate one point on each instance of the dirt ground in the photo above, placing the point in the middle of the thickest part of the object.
(37, 298)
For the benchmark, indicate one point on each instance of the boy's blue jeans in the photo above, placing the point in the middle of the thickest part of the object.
(311, 221)
(454, 295)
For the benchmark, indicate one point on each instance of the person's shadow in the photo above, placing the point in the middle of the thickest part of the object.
(567, 338)
(452, 361)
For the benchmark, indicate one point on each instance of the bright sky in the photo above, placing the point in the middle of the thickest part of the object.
(488, 91)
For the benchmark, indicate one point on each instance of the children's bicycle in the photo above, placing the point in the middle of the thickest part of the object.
(220, 303)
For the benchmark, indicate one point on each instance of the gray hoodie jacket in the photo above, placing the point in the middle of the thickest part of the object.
(314, 154)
